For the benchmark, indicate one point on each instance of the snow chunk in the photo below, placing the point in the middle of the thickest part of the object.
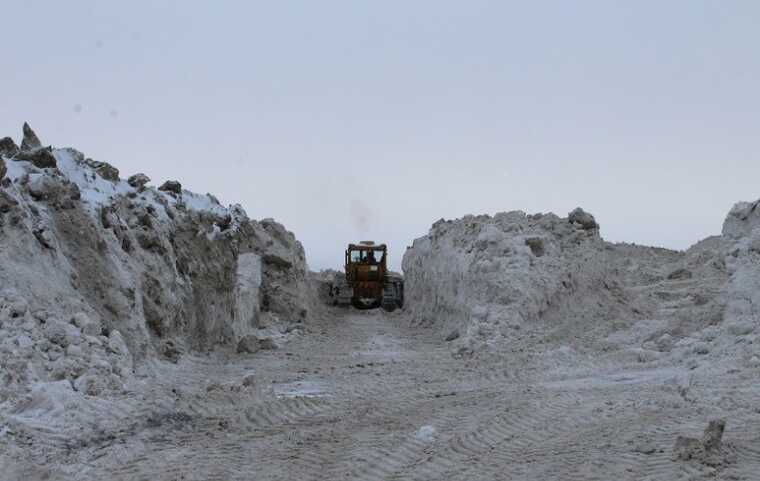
(426, 433)
(95, 190)
(199, 202)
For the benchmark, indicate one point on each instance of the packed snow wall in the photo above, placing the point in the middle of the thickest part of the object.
(486, 276)
(741, 234)
(482, 280)
(97, 273)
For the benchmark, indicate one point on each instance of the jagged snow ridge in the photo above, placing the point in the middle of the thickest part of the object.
(97, 192)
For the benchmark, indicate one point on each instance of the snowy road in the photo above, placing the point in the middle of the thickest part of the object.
(364, 396)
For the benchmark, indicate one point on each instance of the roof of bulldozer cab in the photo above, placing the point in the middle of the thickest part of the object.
(367, 247)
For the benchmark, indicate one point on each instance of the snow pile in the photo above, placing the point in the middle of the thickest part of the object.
(741, 231)
(737, 333)
(541, 279)
(487, 277)
(98, 274)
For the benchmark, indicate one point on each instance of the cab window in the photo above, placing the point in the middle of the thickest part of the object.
(366, 257)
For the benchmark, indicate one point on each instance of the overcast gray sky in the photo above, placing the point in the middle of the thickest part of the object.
(353, 120)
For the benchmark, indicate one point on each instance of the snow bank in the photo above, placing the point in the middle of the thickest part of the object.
(741, 230)
(537, 279)
(489, 276)
(98, 274)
